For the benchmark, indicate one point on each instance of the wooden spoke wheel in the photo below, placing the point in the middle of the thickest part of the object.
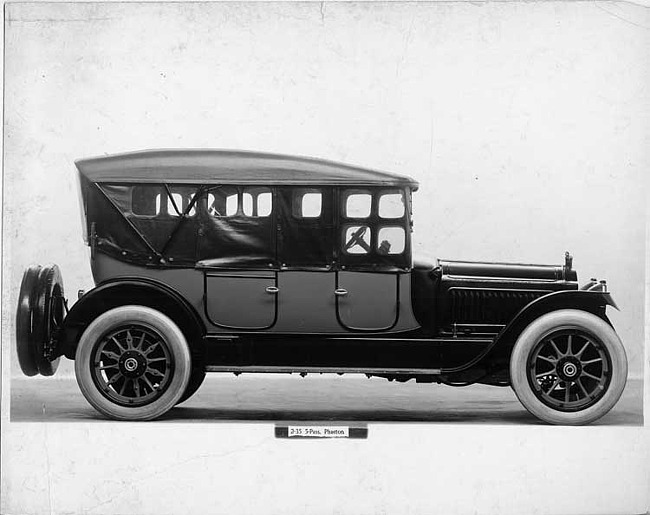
(568, 367)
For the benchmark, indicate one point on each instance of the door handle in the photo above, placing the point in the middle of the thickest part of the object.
(272, 289)
(340, 292)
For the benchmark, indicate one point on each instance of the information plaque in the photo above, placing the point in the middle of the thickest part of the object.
(320, 431)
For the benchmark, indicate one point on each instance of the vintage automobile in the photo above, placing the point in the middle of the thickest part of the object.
(228, 261)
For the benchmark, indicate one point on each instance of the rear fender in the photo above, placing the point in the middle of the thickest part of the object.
(127, 291)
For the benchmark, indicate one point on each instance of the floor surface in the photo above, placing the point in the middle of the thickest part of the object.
(284, 398)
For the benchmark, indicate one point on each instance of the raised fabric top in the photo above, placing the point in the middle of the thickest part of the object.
(231, 167)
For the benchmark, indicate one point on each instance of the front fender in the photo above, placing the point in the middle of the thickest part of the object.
(592, 301)
(497, 354)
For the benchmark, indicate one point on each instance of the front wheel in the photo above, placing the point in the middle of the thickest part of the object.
(132, 363)
(568, 367)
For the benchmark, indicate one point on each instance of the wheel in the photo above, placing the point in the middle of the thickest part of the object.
(41, 309)
(197, 375)
(568, 367)
(196, 380)
(132, 363)
(49, 313)
(24, 348)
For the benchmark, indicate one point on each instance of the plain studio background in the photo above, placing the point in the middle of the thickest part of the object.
(525, 123)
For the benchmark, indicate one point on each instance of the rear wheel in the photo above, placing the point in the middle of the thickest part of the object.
(196, 380)
(197, 351)
(568, 367)
(133, 363)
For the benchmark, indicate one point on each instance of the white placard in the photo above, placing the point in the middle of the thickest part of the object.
(318, 431)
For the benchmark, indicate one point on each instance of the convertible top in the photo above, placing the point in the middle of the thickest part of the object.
(231, 167)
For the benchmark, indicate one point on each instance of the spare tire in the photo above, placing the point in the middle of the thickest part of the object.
(24, 321)
(41, 310)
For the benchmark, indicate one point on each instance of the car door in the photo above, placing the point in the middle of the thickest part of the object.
(373, 251)
(241, 299)
(306, 279)
(367, 301)
(237, 247)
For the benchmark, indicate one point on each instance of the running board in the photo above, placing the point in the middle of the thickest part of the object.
(323, 370)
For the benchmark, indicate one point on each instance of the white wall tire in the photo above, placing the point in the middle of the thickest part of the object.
(132, 363)
(568, 367)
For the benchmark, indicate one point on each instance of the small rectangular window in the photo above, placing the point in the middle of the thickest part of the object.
(223, 202)
(391, 240)
(231, 204)
(232, 201)
(391, 205)
(307, 204)
(264, 203)
(258, 202)
(177, 200)
(182, 202)
(248, 204)
(357, 205)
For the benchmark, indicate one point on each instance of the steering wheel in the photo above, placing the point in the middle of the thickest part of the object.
(357, 239)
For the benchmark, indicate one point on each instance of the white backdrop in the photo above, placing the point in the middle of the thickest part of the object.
(526, 124)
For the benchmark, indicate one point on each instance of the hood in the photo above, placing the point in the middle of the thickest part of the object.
(507, 270)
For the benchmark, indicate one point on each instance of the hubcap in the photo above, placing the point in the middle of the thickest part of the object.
(569, 370)
(132, 365)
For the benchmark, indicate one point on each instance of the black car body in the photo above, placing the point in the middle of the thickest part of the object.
(272, 263)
